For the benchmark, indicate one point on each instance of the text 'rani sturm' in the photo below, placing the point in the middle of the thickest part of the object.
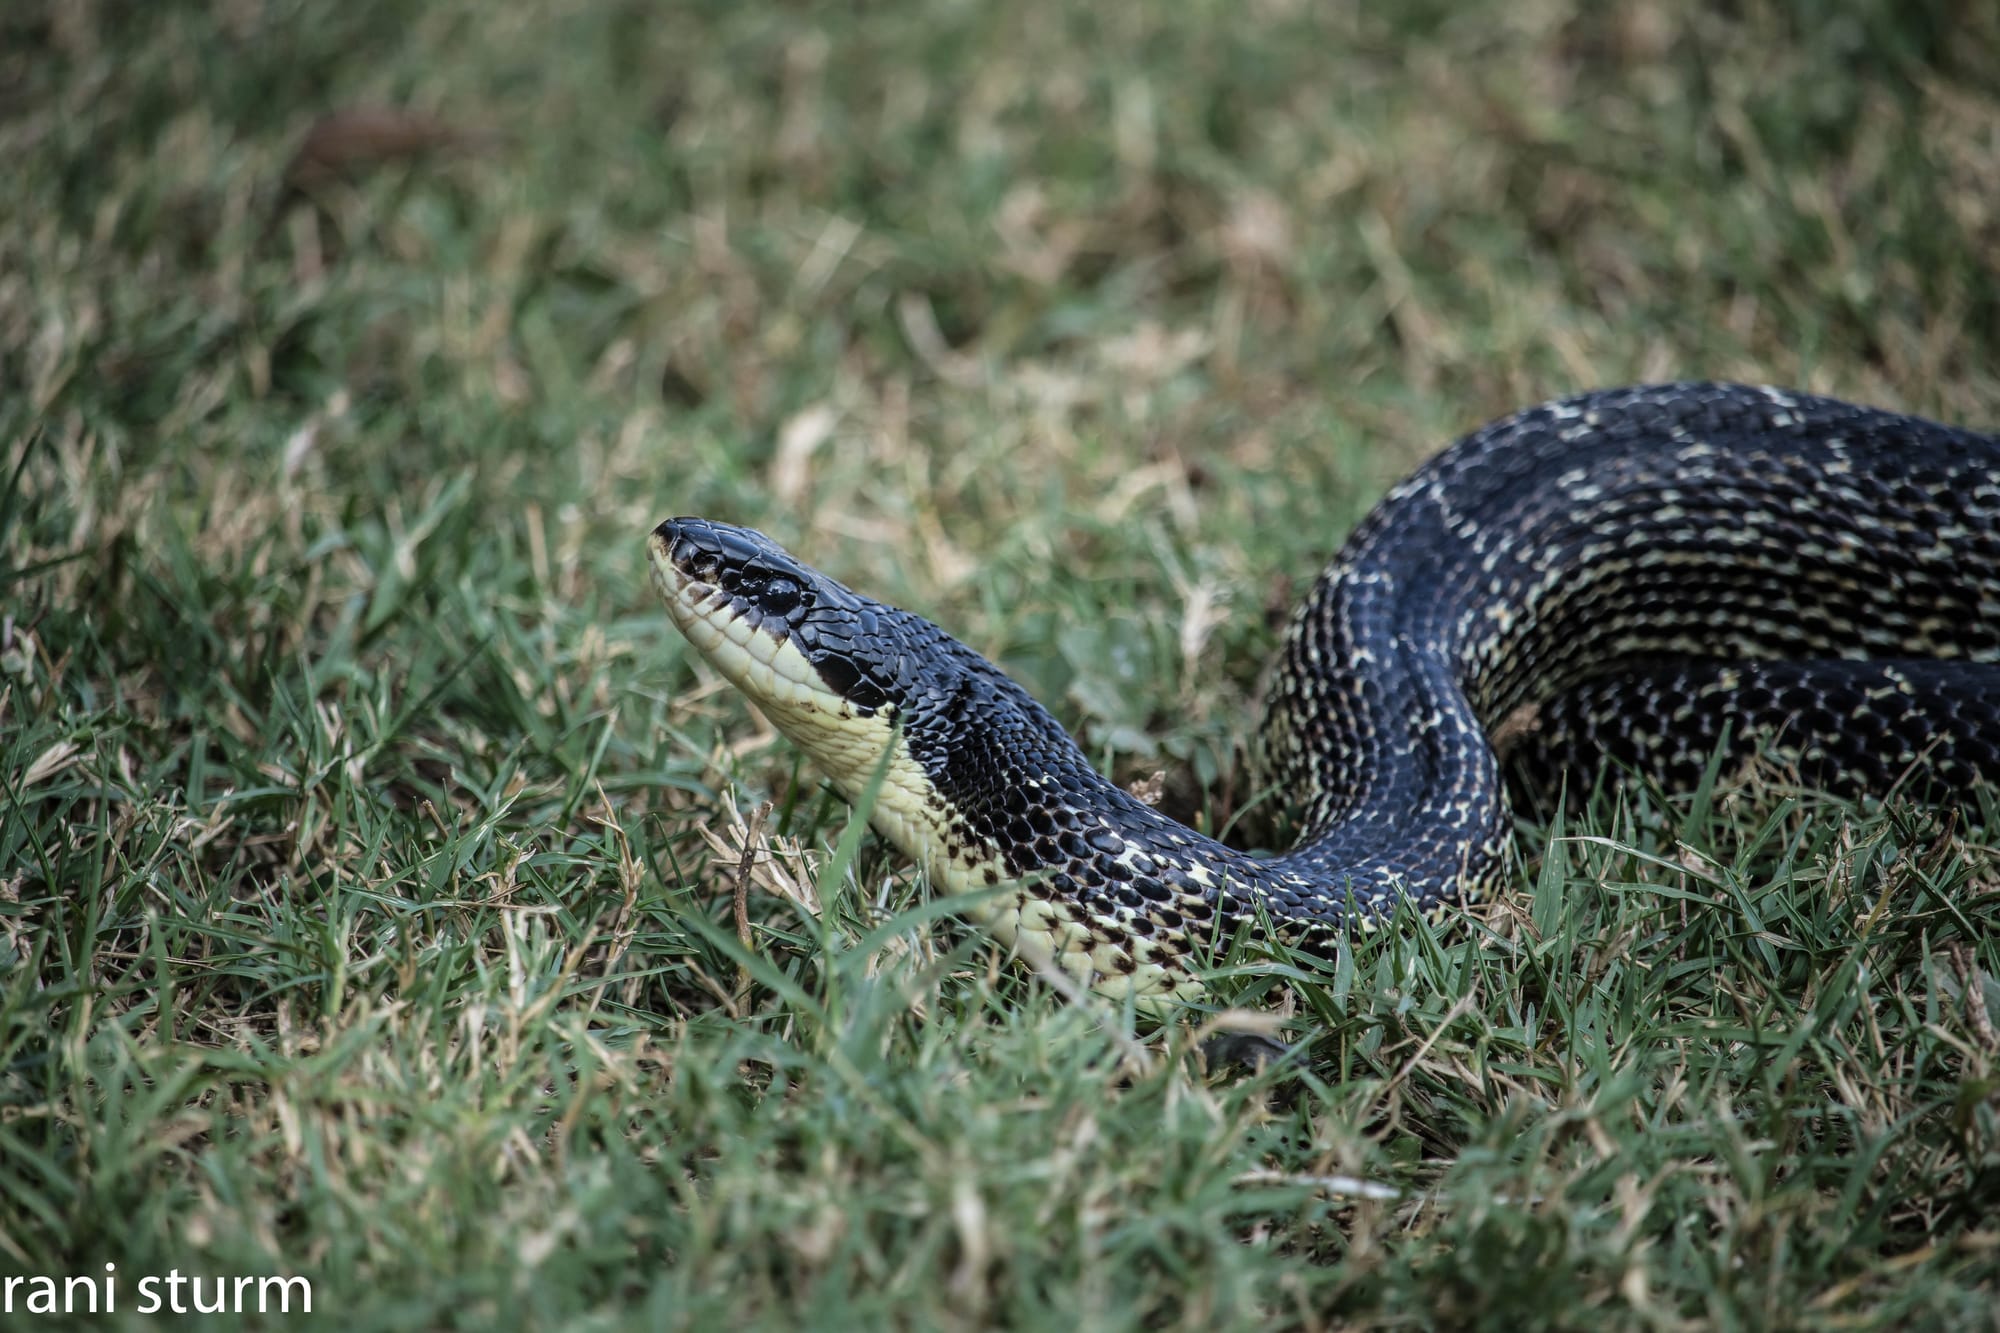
(174, 1293)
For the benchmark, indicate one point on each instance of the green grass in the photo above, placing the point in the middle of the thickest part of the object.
(367, 856)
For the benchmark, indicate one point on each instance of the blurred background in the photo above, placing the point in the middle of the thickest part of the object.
(943, 295)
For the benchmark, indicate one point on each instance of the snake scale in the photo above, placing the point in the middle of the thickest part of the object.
(1635, 574)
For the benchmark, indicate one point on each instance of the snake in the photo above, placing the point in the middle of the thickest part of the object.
(1635, 580)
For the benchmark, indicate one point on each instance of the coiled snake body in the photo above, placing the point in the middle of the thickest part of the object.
(1637, 572)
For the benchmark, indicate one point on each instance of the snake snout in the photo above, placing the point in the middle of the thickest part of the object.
(694, 557)
(709, 552)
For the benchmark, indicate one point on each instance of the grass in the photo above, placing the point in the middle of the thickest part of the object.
(369, 844)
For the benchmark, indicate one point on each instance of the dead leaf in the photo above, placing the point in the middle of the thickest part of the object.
(344, 144)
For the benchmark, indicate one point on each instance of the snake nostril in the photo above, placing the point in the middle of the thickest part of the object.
(695, 560)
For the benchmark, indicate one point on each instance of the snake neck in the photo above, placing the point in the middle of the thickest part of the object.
(1123, 894)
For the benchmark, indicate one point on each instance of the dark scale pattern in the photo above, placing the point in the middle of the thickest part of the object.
(1920, 725)
(1636, 570)
(1673, 532)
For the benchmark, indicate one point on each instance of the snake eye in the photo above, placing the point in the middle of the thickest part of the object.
(781, 595)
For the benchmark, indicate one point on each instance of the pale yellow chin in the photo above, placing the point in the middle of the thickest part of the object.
(848, 745)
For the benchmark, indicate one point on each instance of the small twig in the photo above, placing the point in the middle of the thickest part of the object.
(751, 833)
(1338, 1187)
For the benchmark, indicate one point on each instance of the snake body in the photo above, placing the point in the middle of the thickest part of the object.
(1628, 576)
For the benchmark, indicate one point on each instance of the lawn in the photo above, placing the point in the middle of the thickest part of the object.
(372, 850)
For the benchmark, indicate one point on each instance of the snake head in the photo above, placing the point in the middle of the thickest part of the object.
(794, 640)
(849, 679)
